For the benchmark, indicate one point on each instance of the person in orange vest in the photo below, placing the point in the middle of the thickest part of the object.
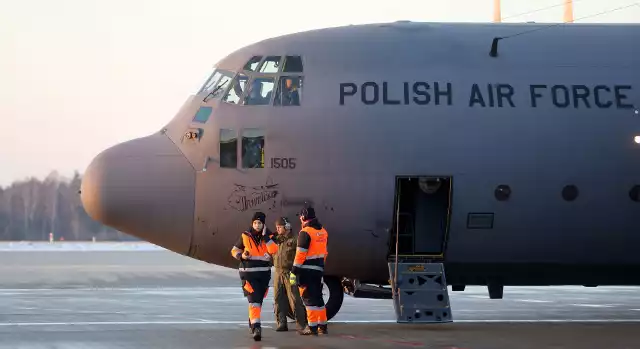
(253, 250)
(308, 269)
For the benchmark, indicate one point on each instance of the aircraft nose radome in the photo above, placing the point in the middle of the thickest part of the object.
(145, 188)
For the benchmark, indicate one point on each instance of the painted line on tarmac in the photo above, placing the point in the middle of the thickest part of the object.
(126, 289)
(116, 323)
(222, 322)
(598, 321)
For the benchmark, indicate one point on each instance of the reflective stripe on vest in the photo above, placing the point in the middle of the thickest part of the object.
(317, 251)
(258, 259)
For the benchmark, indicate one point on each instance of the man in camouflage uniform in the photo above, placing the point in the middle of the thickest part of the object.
(285, 294)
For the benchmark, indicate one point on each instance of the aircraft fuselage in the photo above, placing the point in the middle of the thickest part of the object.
(552, 119)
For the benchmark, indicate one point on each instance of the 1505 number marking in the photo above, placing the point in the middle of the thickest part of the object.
(288, 163)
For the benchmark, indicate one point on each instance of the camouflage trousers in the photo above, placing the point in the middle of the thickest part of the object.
(285, 296)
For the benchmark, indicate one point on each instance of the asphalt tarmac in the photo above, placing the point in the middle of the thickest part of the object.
(158, 299)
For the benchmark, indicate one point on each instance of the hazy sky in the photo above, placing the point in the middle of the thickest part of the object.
(78, 76)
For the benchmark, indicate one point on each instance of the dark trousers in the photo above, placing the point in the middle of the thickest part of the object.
(310, 285)
(255, 287)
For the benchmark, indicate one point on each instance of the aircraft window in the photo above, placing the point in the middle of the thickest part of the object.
(289, 90)
(292, 64)
(252, 64)
(259, 92)
(217, 88)
(634, 193)
(570, 192)
(202, 115)
(253, 148)
(270, 65)
(502, 192)
(208, 86)
(228, 148)
(234, 93)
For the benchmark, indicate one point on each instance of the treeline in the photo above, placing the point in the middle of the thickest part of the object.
(31, 209)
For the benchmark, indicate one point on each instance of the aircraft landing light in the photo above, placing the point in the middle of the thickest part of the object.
(637, 139)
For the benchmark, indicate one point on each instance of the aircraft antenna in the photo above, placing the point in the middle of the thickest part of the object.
(494, 43)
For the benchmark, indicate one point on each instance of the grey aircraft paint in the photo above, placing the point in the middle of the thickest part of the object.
(555, 107)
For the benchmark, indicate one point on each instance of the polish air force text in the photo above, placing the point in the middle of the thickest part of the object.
(487, 95)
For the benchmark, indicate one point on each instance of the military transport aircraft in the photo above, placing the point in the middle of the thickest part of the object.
(506, 151)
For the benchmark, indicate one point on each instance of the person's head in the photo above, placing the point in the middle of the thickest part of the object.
(257, 222)
(288, 83)
(307, 213)
(283, 226)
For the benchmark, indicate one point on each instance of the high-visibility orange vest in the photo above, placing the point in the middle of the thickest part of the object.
(259, 259)
(314, 256)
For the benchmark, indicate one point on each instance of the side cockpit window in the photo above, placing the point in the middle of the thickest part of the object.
(289, 91)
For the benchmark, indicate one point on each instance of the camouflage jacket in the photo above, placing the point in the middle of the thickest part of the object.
(283, 259)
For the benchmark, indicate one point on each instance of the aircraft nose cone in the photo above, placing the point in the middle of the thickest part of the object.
(145, 188)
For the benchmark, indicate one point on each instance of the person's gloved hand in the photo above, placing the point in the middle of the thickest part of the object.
(292, 279)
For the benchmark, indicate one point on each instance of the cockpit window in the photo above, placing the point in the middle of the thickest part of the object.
(208, 86)
(253, 148)
(292, 64)
(235, 92)
(259, 92)
(270, 64)
(260, 77)
(252, 64)
(289, 91)
(217, 84)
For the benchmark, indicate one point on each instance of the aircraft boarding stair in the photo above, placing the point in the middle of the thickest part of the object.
(420, 292)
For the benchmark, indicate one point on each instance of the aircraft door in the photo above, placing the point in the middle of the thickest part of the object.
(422, 214)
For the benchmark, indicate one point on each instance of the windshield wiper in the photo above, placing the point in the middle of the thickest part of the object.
(215, 90)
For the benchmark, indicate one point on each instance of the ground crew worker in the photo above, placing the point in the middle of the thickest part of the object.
(253, 250)
(285, 294)
(308, 269)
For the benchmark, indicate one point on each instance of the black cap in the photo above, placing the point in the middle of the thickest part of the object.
(308, 213)
(259, 216)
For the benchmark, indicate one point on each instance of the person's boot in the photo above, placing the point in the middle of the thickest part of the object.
(310, 331)
(257, 333)
(282, 324)
(322, 329)
(301, 327)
